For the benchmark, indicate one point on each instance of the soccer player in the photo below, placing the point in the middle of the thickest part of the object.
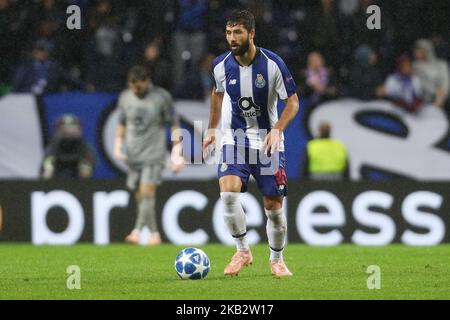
(144, 112)
(248, 83)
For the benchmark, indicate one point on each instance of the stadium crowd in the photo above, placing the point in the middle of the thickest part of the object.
(326, 43)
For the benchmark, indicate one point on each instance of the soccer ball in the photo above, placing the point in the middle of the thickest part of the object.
(192, 263)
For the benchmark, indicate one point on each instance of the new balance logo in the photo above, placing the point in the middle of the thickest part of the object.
(232, 81)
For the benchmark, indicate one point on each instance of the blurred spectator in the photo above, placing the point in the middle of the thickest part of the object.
(349, 25)
(153, 19)
(41, 74)
(50, 17)
(68, 155)
(51, 26)
(262, 11)
(362, 34)
(323, 30)
(348, 7)
(113, 34)
(353, 32)
(316, 82)
(433, 73)
(189, 39)
(157, 67)
(365, 77)
(16, 26)
(217, 14)
(441, 46)
(104, 50)
(402, 87)
(326, 158)
(6, 19)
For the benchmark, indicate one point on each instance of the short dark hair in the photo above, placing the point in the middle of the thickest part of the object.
(243, 17)
(324, 129)
(138, 73)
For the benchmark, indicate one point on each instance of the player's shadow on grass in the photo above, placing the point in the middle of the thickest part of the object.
(227, 278)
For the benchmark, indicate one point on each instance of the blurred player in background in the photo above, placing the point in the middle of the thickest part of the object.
(144, 112)
(248, 83)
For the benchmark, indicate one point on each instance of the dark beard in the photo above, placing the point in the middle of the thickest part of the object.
(242, 48)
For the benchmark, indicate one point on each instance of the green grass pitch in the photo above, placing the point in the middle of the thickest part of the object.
(137, 272)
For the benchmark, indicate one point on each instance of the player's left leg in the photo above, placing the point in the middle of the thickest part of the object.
(147, 212)
(270, 176)
(276, 233)
(133, 176)
(150, 179)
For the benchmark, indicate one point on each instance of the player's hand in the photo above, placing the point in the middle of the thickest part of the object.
(176, 158)
(272, 141)
(209, 139)
(118, 154)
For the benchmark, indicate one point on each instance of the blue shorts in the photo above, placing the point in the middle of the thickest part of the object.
(268, 171)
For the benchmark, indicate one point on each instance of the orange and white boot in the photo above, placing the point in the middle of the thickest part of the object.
(239, 260)
(279, 269)
(133, 237)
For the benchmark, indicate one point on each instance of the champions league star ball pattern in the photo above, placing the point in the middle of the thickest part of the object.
(192, 263)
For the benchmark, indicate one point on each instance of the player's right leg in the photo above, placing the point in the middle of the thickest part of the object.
(233, 178)
(234, 217)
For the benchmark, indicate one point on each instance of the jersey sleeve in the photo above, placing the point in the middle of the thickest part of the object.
(218, 74)
(284, 82)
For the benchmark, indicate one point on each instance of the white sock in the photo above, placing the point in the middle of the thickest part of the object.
(234, 217)
(276, 232)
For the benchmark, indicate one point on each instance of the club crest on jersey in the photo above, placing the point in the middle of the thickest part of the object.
(260, 82)
(248, 107)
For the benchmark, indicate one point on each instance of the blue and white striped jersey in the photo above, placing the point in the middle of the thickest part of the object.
(251, 94)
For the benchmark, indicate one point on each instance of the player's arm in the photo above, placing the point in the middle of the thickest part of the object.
(120, 135)
(176, 155)
(171, 118)
(215, 109)
(286, 89)
(175, 133)
(273, 139)
(214, 117)
(288, 114)
(118, 142)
